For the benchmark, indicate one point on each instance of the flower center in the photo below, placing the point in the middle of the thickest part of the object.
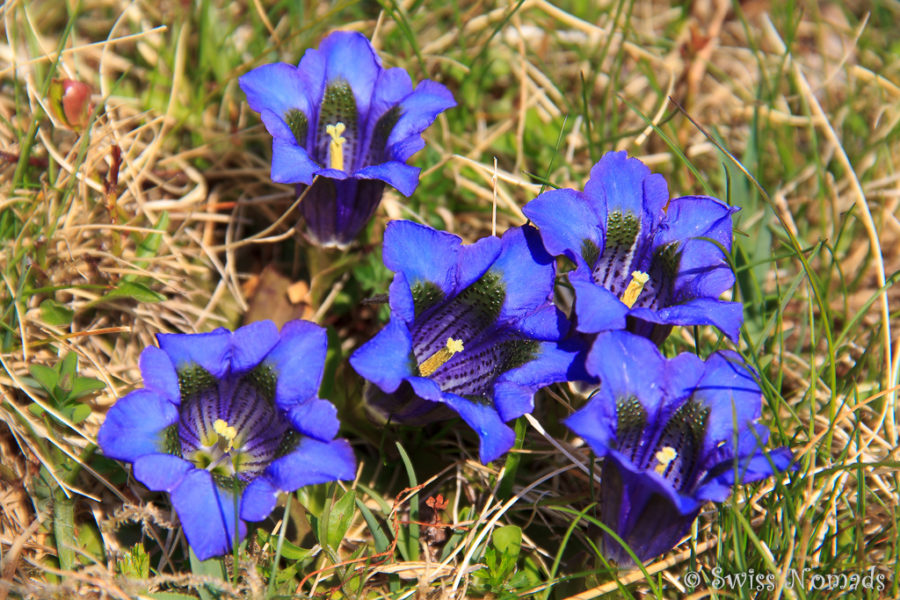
(230, 427)
(226, 435)
(664, 457)
(336, 145)
(437, 360)
(638, 280)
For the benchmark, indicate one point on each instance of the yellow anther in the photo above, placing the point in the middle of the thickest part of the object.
(665, 456)
(336, 146)
(638, 280)
(226, 431)
(436, 360)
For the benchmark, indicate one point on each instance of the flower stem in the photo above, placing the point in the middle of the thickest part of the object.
(284, 526)
(64, 528)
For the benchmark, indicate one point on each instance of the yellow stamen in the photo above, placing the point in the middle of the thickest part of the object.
(336, 146)
(437, 360)
(665, 456)
(226, 431)
(638, 280)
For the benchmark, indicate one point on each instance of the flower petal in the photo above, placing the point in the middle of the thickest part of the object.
(496, 438)
(159, 374)
(419, 110)
(161, 472)
(596, 308)
(568, 224)
(628, 366)
(725, 316)
(207, 514)
(621, 183)
(385, 359)
(313, 462)
(316, 418)
(298, 361)
(527, 272)
(397, 174)
(291, 163)
(277, 87)
(250, 344)
(514, 390)
(422, 254)
(259, 499)
(350, 57)
(209, 350)
(135, 425)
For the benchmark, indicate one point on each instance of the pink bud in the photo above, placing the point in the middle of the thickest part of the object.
(71, 102)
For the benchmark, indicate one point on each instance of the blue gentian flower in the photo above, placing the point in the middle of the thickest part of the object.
(642, 261)
(673, 434)
(342, 120)
(472, 330)
(225, 421)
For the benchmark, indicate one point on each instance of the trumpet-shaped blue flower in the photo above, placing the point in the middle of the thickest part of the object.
(472, 330)
(673, 434)
(642, 261)
(343, 126)
(225, 421)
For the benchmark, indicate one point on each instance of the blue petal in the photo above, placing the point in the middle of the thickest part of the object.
(425, 388)
(422, 254)
(703, 268)
(258, 499)
(207, 514)
(730, 390)
(298, 360)
(546, 323)
(697, 216)
(161, 472)
(566, 222)
(250, 344)
(726, 316)
(749, 469)
(313, 462)
(403, 308)
(209, 350)
(385, 359)
(596, 308)
(277, 87)
(475, 259)
(392, 87)
(514, 390)
(316, 418)
(496, 438)
(628, 365)
(291, 163)
(595, 423)
(350, 57)
(527, 271)
(159, 374)
(134, 425)
(397, 174)
(419, 110)
(620, 183)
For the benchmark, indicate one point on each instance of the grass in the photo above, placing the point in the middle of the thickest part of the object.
(791, 114)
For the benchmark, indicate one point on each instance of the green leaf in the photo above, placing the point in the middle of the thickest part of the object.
(169, 596)
(84, 386)
(214, 568)
(333, 525)
(382, 542)
(134, 564)
(46, 377)
(508, 542)
(134, 290)
(56, 314)
(79, 412)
